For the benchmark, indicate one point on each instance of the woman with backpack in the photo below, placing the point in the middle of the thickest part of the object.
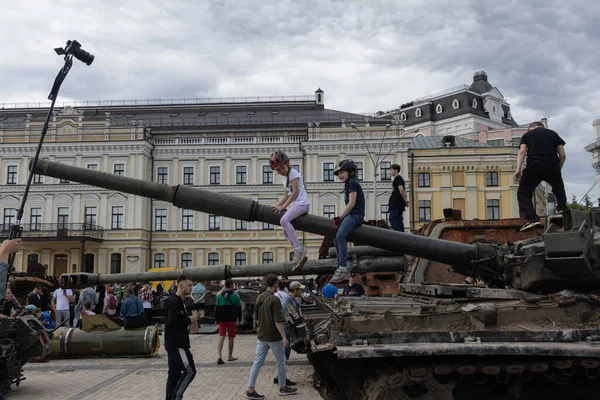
(110, 304)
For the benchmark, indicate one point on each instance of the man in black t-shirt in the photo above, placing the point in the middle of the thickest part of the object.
(545, 158)
(353, 288)
(398, 199)
(34, 297)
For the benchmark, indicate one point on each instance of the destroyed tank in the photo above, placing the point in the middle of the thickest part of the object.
(532, 330)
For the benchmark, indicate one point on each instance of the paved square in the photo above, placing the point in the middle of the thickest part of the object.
(145, 378)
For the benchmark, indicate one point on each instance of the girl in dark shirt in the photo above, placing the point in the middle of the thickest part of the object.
(352, 216)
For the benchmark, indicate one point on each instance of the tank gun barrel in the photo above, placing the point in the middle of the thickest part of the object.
(210, 202)
(218, 272)
(364, 251)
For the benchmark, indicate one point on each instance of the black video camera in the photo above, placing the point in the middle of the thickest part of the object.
(74, 47)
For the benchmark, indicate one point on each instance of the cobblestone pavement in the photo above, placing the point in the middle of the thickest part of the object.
(145, 378)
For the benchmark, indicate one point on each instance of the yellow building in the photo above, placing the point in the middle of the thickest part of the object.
(473, 177)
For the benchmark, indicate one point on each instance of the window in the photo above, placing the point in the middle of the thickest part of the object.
(214, 223)
(240, 175)
(385, 212)
(63, 217)
(117, 217)
(187, 220)
(424, 210)
(241, 225)
(267, 174)
(188, 175)
(474, 104)
(418, 112)
(268, 227)
(328, 172)
(186, 260)
(38, 179)
(403, 116)
(329, 212)
(159, 260)
(93, 167)
(115, 263)
(35, 219)
(163, 175)
(215, 175)
(495, 142)
(213, 258)
(359, 171)
(88, 263)
(493, 209)
(423, 179)
(9, 216)
(455, 104)
(296, 167)
(119, 169)
(160, 219)
(491, 179)
(240, 258)
(384, 171)
(458, 178)
(267, 257)
(439, 109)
(11, 175)
(33, 259)
(89, 217)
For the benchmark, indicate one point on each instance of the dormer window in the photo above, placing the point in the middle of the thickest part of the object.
(418, 112)
(403, 116)
(474, 103)
(438, 109)
(455, 104)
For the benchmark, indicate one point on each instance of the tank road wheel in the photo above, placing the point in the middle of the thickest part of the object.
(7, 347)
(392, 384)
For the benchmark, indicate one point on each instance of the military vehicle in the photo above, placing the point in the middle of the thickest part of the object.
(531, 330)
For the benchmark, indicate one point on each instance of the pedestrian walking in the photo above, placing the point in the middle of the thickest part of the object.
(294, 200)
(351, 217)
(228, 310)
(268, 322)
(545, 153)
(177, 341)
(398, 199)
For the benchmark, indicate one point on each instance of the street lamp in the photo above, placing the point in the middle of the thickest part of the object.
(376, 163)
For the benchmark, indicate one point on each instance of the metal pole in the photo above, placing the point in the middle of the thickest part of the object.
(375, 194)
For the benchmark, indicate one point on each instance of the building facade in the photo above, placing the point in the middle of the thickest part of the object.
(223, 145)
(594, 148)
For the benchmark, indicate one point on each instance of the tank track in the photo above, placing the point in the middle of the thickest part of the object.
(507, 379)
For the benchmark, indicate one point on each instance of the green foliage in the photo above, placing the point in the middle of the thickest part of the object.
(585, 206)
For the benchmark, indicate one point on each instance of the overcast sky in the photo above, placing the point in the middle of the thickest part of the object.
(366, 55)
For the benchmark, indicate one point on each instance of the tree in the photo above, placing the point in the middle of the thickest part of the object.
(575, 205)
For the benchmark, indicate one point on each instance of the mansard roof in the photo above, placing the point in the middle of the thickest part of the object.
(435, 142)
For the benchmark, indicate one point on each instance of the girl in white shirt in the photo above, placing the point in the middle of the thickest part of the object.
(294, 200)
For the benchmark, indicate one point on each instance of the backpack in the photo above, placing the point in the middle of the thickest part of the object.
(112, 302)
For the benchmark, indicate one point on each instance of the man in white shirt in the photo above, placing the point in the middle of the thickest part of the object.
(60, 300)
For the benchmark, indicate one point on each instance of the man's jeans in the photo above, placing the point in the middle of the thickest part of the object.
(397, 219)
(62, 315)
(288, 350)
(262, 348)
(341, 245)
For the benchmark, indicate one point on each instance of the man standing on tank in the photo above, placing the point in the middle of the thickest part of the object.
(545, 158)
(398, 199)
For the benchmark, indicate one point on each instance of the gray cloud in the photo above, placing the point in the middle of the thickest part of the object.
(366, 55)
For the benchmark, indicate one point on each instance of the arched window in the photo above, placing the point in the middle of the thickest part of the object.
(213, 258)
(186, 260)
(159, 260)
(438, 109)
(418, 112)
(32, 259)
(455, 104)
(267, 257)
(403, 116)
(115, 263)
(474, 103)
(240, 258)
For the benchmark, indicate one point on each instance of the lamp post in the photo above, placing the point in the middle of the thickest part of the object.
(376, 164)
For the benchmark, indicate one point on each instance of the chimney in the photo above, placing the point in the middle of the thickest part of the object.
(596, 125)
(480, 75)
